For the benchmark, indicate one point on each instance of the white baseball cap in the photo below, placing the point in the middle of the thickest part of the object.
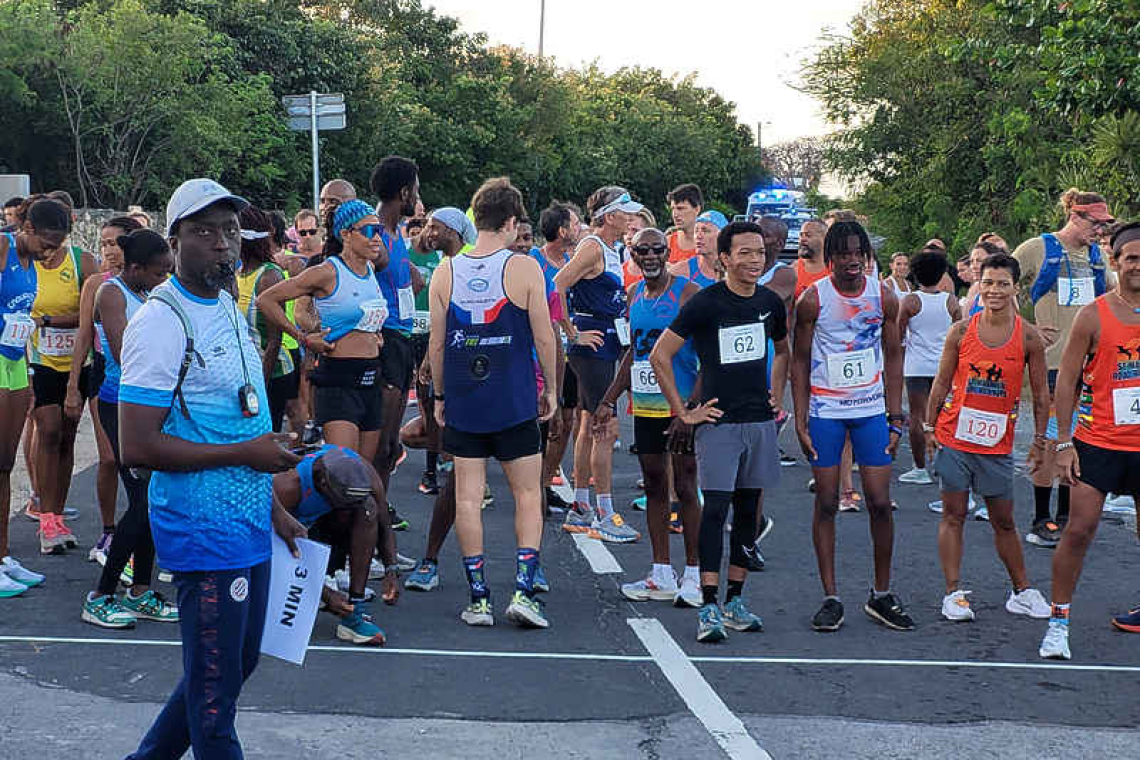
(193, 195)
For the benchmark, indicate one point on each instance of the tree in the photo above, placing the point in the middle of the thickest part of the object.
(797, 163)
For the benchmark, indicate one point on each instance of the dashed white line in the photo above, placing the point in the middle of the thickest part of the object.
(596, 553)
(695, 691)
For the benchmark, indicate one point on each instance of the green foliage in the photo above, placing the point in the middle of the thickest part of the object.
(129, 97)
(965, 116)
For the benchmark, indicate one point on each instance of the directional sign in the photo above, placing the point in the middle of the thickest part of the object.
(305, 123)
(312, 113)
(323, 99)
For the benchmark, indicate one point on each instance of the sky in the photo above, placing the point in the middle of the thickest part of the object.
(749, 51)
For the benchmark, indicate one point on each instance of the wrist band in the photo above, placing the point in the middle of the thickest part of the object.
(927, 427)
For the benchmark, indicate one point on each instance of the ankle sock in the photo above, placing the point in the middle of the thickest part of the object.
(1041, 497)
(473, 566)
(708, 594)
(108, 530)
(527, 567)
(1060, 612)
(735, 588)
(605, 505)
(881, 594)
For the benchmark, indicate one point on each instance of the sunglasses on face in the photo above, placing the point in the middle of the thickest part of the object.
(644, 249)
(369, 231)
(306, 233)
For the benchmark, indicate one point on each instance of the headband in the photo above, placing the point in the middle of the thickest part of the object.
(253, 235)
(348, 214)
(1125, 236)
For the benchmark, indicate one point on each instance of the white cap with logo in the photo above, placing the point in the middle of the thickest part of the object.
(193, 195)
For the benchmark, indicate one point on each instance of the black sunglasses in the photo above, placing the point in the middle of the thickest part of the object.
(644, 249)
(369, 230)
(306, 233)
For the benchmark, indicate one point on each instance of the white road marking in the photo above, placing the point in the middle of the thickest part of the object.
(711, 659)
(596, 553)
(695, 691)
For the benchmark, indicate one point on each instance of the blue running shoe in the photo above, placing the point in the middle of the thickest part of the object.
(1129, 622)
(425, 577)
(541, 585)
(710, 626)
(739, 618)
(358, 628)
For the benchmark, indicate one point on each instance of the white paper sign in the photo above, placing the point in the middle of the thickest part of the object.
(57, 341)
(642, 378)
(981, 427)
(621, 326)
(407, 302)
(1126, 406)
(421, 323)
(851, 369)
(1078, 291)
(744, 343)
(294, 595)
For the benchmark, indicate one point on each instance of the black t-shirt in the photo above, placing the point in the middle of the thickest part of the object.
(731, 335)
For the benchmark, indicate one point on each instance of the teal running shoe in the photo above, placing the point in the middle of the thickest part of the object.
(425, 577)
(739, 618)
(526, 612)
(150, 606)
(107, 612)
(710, 626)
(640, 503)
(358, 627)
(541, 585)
(20, 574)
(478, 613)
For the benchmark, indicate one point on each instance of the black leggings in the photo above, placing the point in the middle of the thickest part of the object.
(713, 517)
(132, 532)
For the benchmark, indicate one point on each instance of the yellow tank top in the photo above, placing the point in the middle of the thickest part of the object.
(247, 284)
(57, 295)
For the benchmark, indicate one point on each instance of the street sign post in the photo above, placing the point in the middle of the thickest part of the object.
(314, 112)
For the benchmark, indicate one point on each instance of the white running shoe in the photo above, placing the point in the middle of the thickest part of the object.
(689, 592)
(1119, 504)
(982, 515)
(17, 572)
(652, 588)
(1055, 645)
(9, 587)
(956, 607)
(935, 506)
(917, 476)
(1029, 602)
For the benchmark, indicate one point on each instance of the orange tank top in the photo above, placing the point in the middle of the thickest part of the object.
(1108, 411)
(805, 279)
(981, 411)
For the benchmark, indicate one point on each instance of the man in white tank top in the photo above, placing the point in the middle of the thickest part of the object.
(925, 316)
(846, 376)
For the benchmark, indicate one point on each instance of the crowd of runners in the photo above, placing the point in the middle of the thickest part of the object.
(249, 374)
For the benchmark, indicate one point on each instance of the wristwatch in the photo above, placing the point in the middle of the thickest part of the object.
(927, 427)
(1062, 445)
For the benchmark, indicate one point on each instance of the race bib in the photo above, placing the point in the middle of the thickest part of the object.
(1126, 406)
(621, 326)
(18, 327)
(57, 341)
(851, 369)
(642, 378)
(982, 428)
(407, 303)
(1077, 291)
(743, 343)
(421, 322)
(372, 316)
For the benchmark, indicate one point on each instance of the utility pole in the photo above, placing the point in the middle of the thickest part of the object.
(541, 25)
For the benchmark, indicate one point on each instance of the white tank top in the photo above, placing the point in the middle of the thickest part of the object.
(925, 335)
(900, 290)
(847, 353)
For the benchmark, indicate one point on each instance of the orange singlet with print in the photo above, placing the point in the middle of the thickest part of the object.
(981, 411)
(805, 279)
(1108, 410)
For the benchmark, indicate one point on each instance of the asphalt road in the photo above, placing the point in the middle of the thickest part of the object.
(612, 678)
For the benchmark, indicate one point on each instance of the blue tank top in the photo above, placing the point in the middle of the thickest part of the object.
(396, 286)
(17, 293)
(488, 350)
(548, 270)
(313, 506)
(596, 302)
(355, 304)
(109, 390)
(696, 275)
(648, 318)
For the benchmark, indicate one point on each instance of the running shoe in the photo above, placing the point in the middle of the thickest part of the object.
(17, 572)
(526, 611)
(101, 549)
(688, 593)
(488, 497)
(675, 524)
(850, 501)
(739, 618)
(710, 625)
(1044, 533)
(127, 577)
(445, 465)
(1055, 645)
(311, 435)
(787, 460)
(541, 585)
(632, 447)
(69, 538)
(614, 530)
(829, 617)
(1029, 602)
(889, 611)
(375, 570)
(478, 613)
(754, 559)
(32, 510)
(578, 519)
(425, 577)
(766, 525)
(52, 540)
(917, 476)
(428, 484)
(811, 485)
(956, 607)
(640, 483)
(150, 606)
(358, 628)
(935, 506)
(983, 514)
(107, 612)
(400, 459)
(652, 588)
(555, 503)
(1119, 504)
(617, 444)
(640, 503)
(342, 581)
(9, 587)
(1129, 622)
(398, 523)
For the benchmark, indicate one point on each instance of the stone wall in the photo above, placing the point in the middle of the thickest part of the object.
(89, 221)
